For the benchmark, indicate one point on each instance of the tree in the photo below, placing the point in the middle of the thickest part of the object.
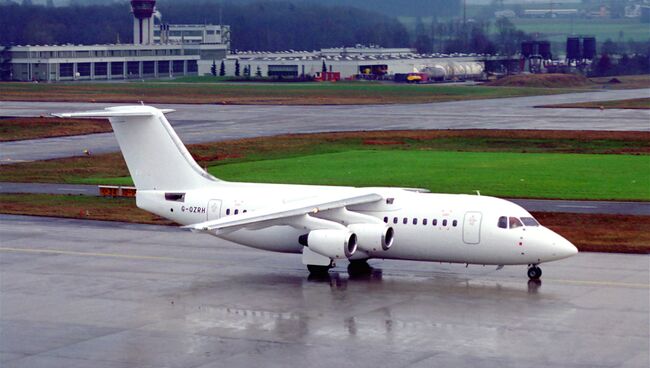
(237, 68)
(258, 72)
(324, 67)
(213, 68)
(604, 65)
(247, 71)
(222, 69)
(423, 44)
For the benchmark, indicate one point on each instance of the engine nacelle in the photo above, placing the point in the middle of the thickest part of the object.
(335, 244)
(373, 237)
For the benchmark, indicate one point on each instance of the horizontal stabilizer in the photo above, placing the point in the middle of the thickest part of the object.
(117, 111)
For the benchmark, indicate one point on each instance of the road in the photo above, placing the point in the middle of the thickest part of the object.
(533, 205)
(206, 123)
(98, 294)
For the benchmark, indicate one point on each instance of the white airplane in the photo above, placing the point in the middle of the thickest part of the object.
(324, 223)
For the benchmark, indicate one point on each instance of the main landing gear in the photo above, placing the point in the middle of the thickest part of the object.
(358, 268)
(534, 272)
(316, 270)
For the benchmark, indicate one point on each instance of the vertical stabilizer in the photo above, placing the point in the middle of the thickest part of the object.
(155, 156)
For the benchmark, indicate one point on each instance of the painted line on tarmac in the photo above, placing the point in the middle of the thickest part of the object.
(192, 260)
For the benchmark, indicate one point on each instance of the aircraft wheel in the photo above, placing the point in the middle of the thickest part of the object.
(534, 273)
(359, 268)
(318, 270)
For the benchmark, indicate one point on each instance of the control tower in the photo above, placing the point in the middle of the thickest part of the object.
(143, 21)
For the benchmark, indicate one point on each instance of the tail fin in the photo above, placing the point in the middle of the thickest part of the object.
(155, 156)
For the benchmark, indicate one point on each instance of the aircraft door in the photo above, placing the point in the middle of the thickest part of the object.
(472, 228)
(214, 209)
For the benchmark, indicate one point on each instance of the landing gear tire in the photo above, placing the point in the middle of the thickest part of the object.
(316, 270)
(534, 273)
(359, 268)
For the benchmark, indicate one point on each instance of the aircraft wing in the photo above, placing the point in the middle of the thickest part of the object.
(271, 216)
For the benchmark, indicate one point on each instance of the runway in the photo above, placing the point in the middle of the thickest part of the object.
(99, 294)
(207, 123)
(532, 205)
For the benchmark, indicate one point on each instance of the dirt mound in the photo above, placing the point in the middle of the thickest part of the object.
(541, 81)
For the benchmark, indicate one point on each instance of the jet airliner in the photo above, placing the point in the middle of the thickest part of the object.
(324, 223)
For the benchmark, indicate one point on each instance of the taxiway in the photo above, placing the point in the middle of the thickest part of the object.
(99, 294)
(208, 123)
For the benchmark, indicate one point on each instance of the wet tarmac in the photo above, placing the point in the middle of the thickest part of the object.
(208, 123)
(100, 294)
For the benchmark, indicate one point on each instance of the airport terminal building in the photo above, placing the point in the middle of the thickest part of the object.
(176, 50)
(169, 51)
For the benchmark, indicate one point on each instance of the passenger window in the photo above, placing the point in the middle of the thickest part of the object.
(434, 222)
(529, 221)
(244, 211)
(236, 212)
(405, 221)
(454, 223)
(503, 222)
(228, 212)
(424, 221)
(394, 220)
(386, 219)
(514, 223)
(415, 221)
(444, 222)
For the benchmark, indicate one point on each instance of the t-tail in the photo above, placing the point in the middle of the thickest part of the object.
(155, 156)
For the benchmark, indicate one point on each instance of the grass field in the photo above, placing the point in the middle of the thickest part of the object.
(258, 93)
(566, 176)
(77, 206)
(636, 104)
(13, 129)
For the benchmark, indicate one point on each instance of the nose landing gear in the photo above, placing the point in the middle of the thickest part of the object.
(534, 272)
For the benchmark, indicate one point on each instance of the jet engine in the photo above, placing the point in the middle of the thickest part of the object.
(373, 237)
(335, 244)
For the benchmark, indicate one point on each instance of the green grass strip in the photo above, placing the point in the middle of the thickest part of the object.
(548, 175)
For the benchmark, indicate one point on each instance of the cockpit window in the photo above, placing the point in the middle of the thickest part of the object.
(514, 222)
(529, 221)
(503, 222)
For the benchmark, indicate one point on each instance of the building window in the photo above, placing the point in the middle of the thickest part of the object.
(192, 66)
(65, 70)
(100, 68)
(83, 69)
(148, 67)
(163, 67)
(178, 66)
(117, 68)
(133, 68)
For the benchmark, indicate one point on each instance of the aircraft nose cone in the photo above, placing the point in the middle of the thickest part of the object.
(563, 248)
